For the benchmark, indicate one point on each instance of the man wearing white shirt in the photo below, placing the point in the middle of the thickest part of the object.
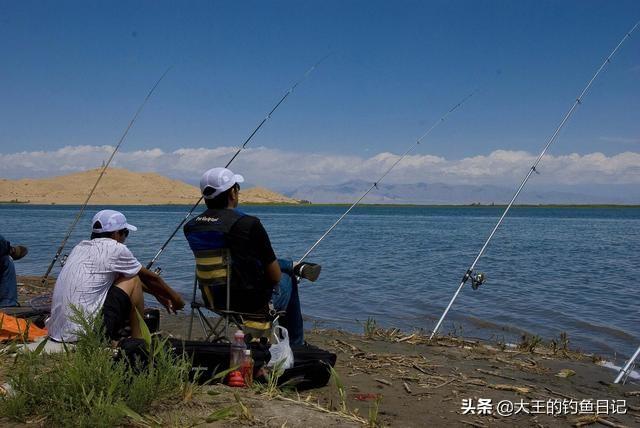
(102, 274)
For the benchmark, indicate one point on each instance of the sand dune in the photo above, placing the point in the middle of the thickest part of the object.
(118, 187)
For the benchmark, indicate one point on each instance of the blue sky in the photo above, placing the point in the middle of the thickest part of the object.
(73, 73)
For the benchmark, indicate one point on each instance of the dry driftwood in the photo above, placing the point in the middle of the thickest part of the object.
(348, 345)
(404, 339)
(496, 374)
(476, 382)
(592, 419)
(560, 394)
(445, 383)
(473, 424)
(503, 387)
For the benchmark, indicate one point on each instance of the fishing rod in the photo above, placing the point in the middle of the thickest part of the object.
(478, 279)
(104, 168)
(257, 128)
(375, 184)
(626, 370)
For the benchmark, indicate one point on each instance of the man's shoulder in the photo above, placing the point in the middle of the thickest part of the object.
(108, 245)
(246, 217)
(249, 226)
(245, 220)
(214, 217)
(95, 243)
(207, 217)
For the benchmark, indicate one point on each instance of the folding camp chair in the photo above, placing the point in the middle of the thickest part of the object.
(213, 278)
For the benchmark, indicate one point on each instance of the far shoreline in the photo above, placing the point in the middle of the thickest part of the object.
(338, 204)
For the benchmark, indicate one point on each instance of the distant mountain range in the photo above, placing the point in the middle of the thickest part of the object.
(444, 194)
(120, 186)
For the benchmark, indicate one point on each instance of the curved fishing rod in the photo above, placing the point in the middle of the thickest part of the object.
(476, 281)
(375, 184)
(104, 168)
(257, 128)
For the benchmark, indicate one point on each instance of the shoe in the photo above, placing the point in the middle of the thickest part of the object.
(18, 252)
(310, 271)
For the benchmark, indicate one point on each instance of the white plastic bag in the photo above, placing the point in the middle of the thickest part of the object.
(280, 349)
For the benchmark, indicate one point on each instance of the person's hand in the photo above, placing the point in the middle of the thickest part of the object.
(177, 301)
(172, 303)
(166, 302)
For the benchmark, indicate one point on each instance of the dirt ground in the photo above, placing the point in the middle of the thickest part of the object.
(420, 383)
(395, 378)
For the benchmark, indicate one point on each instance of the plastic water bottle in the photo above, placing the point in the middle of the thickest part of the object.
(237, 349)
(247, 368)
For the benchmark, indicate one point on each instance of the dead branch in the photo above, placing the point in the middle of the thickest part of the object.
(489, 372)
(560, 394)
(503, 387)
(473, 424)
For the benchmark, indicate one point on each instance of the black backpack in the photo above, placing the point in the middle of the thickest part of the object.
(310, 369)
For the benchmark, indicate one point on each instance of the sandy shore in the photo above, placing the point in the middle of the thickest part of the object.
(118, 187)
(422, 383)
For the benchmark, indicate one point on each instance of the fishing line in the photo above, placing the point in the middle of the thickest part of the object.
(267, 117)
(104, 168)
(479, 278)
(375, 184)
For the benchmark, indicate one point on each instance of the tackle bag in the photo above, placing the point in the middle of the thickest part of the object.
(13, 328)
(311, 367)
(206, 358)
(35, 316)
(310, 370)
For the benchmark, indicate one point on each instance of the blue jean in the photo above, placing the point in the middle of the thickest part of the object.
(8, 284)
(285, 298)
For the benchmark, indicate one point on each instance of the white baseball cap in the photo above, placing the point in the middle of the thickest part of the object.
(218, 180)
(110, 221)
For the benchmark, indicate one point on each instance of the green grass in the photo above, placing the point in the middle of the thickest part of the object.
(271, 388)
(530, 343)
(342, 394)
(369, 327)
(374, 411)
(85, 387)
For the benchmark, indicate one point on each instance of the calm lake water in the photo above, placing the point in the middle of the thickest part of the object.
(548, 270)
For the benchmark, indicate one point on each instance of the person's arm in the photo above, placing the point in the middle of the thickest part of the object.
(125, 264)
(272, 272)
(5, 247)
(153, 284)
(265, 253)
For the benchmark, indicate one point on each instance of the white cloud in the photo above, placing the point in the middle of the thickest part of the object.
(278, 169)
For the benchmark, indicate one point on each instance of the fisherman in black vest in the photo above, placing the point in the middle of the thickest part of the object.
(257, 276)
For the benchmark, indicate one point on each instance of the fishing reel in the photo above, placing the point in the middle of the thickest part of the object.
(158, 271)
(63, 260)
(476, 280)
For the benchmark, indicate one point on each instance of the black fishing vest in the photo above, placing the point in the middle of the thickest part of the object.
(214, 229)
